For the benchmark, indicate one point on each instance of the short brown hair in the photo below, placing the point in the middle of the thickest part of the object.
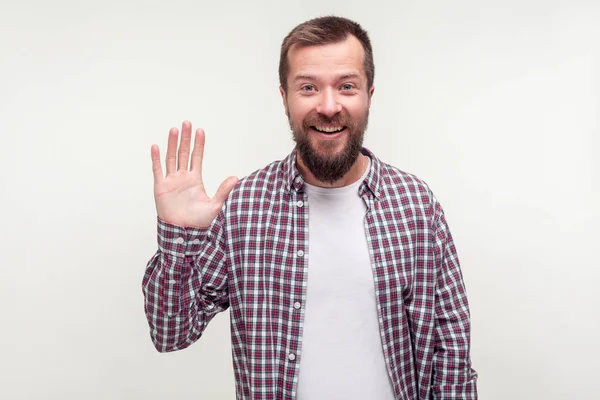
(325, 30)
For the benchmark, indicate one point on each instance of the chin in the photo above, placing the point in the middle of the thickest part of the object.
(329, 151)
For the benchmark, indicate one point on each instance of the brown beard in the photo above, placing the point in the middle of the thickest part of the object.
(329, 169)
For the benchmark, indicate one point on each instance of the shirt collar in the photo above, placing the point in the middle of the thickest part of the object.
(294, 182)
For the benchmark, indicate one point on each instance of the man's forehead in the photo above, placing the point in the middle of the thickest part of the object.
(350, 46)
(345, 58)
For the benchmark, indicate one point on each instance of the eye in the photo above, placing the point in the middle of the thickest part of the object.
(347, 86)
(308, 88)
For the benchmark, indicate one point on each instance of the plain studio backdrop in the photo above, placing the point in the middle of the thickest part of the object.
(495, 104)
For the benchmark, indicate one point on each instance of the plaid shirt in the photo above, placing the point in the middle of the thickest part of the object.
(253, 260)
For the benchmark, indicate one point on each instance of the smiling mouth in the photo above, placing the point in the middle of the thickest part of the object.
(328, 130)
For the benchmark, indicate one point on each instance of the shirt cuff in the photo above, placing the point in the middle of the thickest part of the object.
(179, 241)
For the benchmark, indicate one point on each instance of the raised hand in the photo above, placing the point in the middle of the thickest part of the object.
(180, 196)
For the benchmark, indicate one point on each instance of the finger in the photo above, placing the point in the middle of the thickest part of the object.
(171, 158)
(156, 167)
(183, 156)
(224, 190)
(198, 153)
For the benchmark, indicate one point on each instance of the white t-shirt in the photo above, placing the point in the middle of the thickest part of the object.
(341, 354)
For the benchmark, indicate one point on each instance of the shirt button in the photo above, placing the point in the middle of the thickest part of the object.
(296, 305)
(300, 203)
(179, 240)
(300, 253)
(291, 356)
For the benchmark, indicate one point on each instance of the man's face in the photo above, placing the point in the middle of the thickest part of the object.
(327, 103)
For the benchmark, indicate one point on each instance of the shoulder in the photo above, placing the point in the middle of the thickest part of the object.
(395, 181)
(262, 178)
(400, 189)
(259, 185)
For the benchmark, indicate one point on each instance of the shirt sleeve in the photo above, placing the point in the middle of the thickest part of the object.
(185, 284)
(453, 377)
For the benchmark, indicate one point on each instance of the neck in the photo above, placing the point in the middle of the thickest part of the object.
(353, 175)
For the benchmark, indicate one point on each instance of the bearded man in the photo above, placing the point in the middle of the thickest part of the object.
(339, 270)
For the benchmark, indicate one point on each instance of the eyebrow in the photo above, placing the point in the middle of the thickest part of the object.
(313, 78)
(349, 76)
(303, 77)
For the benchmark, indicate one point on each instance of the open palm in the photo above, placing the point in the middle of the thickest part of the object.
(180, 196)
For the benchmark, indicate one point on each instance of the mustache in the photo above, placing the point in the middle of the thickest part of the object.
(320, 119)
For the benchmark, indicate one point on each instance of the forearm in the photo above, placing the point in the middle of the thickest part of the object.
(173, 318)
(177, 303)
(453, 376)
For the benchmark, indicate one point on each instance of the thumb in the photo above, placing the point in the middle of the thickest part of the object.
(225, 188)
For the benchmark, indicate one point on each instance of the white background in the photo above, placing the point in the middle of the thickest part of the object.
(494, 103)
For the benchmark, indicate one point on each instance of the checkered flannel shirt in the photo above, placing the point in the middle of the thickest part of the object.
(253, 259)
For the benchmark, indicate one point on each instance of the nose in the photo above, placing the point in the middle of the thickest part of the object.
(328, 103)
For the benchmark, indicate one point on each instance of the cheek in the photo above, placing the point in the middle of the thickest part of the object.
(300, 105)
(297, 112)
(358, 110)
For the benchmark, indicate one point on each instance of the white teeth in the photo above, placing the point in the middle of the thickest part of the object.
(329, 129)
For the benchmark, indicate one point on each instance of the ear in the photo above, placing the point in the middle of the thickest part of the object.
(371, 91)
(284, 100)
